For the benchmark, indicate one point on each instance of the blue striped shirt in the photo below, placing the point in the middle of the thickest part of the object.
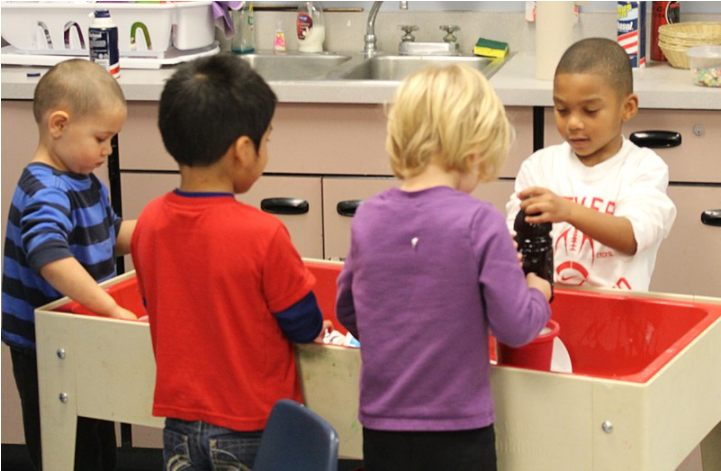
(53, 215)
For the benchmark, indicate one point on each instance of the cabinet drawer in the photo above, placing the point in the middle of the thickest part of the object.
(305, 229)
(345, 190)
(695, 160)
(308, 139)
(339, 190)
(689, 259)
(328, 139)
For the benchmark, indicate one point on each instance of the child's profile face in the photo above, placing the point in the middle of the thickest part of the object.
(247, 178)
(85, 143)
(589, 115)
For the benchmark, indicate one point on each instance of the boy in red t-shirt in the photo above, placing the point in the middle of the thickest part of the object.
(225, 290)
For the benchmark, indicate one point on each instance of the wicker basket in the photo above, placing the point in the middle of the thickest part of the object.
(693, 30)
(675, 55)
(674, 39)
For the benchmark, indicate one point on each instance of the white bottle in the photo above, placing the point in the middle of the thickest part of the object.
(103, 42)
(310, 27)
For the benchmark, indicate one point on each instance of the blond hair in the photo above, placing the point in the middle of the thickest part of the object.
(447, 115)
(77, 86)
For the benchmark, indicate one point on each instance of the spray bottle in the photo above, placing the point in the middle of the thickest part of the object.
(103, 39)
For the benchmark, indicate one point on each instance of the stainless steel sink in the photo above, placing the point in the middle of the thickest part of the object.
(398, 67)
(294, 66)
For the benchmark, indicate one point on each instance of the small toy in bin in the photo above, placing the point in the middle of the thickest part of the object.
(705, 62)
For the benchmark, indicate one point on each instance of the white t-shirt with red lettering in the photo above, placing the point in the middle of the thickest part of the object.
(631, 184)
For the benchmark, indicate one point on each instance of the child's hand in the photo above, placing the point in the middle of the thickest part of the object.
(542, 285)
(327, 327)
(121, 313)
(552, 208)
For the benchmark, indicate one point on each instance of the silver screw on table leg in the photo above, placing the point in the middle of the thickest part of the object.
(607, 427)
(63, 398)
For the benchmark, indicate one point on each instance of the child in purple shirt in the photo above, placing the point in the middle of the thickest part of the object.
(430, 271)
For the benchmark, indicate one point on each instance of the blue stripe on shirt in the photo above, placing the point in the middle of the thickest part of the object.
(54, 215)
(302, 322)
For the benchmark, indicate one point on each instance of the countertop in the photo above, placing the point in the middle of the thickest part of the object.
(658, 86)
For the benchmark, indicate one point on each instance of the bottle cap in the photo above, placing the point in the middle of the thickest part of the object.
(102, 14)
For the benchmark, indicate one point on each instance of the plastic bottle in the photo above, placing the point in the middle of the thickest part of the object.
(536, 247)
(279, 43)
(244, 40)
(663, 13)
(103, 42)
(310, 27)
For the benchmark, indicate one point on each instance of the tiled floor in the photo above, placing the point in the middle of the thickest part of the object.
(15, 458)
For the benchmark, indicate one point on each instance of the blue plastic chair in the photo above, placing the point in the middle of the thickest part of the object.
(298, 439)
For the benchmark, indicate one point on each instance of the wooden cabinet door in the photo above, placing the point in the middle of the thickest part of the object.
(689, 260)
(345, 191)
(305, 229)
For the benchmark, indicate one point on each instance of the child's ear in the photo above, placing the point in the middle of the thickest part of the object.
(244, 151)
(57, 123)
(629, 107)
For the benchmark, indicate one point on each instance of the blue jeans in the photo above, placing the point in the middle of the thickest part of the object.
(202, 446)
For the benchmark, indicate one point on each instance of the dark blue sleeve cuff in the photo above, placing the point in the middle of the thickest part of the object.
(302, 322)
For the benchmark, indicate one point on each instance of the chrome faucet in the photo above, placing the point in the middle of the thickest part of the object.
(369, 40)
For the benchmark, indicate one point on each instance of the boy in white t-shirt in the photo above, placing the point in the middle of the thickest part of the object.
(606, 196)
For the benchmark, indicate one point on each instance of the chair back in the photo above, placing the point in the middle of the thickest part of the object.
(296, 438)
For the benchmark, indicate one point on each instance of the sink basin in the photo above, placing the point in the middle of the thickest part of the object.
(398, 67)
(292, 66)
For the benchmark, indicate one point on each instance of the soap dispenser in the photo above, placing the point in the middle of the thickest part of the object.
(244, 40)
(310, 27)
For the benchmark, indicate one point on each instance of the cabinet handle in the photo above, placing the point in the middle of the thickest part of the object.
(292, 206)
(711, 217)
(656, 139)
(348, 208)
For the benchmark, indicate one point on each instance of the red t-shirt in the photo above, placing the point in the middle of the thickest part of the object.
(212, 270)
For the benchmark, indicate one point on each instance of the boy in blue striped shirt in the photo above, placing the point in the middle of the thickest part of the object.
(63, 235)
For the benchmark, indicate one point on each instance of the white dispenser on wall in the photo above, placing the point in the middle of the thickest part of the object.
(310, 27)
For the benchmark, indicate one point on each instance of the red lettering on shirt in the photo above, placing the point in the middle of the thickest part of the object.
(611, 207)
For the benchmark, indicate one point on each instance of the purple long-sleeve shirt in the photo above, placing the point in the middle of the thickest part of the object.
(428, 273)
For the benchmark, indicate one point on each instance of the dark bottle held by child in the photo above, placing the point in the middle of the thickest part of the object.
(536, 247)
(103, 39)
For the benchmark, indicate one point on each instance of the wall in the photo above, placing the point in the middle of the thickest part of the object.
(502, 21)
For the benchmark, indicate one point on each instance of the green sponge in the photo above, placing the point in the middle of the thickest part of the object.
(489, 48)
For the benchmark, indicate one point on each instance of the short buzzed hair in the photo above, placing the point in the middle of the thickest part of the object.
(599, 56)
(77, 86)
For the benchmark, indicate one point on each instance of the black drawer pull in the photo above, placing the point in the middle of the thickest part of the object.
(284, 206)
(656, 139)
(711, 217)
(348, 208)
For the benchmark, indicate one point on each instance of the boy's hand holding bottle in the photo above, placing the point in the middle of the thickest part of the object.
(545, 206)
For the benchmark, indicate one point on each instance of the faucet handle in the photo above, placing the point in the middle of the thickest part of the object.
(450, 29)
(408, 37)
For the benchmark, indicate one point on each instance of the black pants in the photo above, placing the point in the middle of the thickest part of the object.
(95, 444)
(463, 450)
